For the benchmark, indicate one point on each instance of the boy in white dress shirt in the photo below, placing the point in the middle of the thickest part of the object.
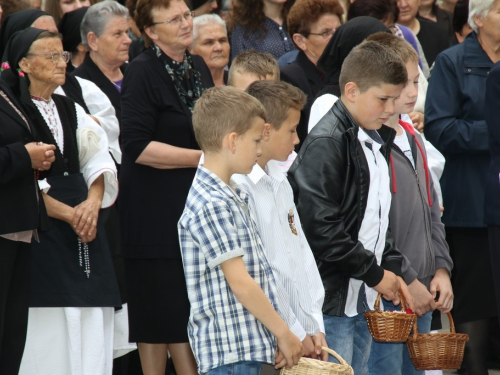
(271, 202)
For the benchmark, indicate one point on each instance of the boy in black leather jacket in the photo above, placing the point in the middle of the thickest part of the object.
(341, 181)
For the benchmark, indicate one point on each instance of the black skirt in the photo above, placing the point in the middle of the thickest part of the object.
(158, 305)
(471, 277)
(58, 277)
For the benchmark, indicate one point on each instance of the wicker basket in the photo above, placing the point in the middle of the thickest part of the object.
(309, 366)
(437, 351)
(387, 326)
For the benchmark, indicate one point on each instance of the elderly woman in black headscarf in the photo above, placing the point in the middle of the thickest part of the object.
(82, 91)
(73, 285)
(69, 27)
(347, 36)
(23, 213)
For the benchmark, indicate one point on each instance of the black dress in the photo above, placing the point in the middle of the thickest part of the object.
(151, 200)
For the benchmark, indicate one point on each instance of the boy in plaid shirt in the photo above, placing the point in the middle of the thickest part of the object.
(239, 312)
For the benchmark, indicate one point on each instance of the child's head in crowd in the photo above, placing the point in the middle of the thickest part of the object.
(283, 103)
(233, 131)
(371, 79)
(408, 98)
(250, 66)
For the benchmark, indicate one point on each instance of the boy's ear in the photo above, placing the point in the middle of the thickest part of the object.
(351, 91)
(231, 142)
(266, 134)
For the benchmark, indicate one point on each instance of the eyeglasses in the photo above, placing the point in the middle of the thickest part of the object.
(178, 20)
(65, 56)
(325, 34)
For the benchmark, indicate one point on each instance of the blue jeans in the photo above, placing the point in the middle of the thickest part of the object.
(238, 368)
(393, 358)
(350, 338)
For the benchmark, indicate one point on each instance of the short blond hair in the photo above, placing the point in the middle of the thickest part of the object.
(277, 97)
(260, 64)
(398, 45)
(222, 110)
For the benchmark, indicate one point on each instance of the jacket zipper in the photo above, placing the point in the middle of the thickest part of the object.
(422, 201)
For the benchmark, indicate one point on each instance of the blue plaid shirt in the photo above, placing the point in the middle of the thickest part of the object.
(216, 226)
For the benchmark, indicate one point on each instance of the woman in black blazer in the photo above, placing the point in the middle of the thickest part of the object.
(311, 24)
(160, 156)
(21, 213)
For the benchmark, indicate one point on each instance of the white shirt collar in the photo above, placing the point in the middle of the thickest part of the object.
(273, 170)
(364, 137)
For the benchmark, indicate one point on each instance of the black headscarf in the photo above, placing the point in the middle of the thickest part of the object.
(17, 48)
(348, 36)
(69, 27)
(16, 22)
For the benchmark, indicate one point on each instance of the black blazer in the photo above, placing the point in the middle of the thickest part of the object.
(19, 209)
(90, 71)
(151, 200)
(491, 104)
(303, 74)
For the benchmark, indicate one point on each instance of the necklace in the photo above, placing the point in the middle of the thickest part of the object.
(40, 99)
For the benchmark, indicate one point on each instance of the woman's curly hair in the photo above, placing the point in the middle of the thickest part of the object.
(250, 15)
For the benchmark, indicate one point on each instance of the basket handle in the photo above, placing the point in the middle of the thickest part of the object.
(334, 353)
(403, 302)
(452, 326)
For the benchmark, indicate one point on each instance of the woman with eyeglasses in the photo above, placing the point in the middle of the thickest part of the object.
(73, 289)
(311, 24)
(160, 156)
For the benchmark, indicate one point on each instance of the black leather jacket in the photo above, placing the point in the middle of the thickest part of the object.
(331, 178)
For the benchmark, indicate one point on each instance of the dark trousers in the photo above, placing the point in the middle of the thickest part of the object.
(494, 237)
(14, 303)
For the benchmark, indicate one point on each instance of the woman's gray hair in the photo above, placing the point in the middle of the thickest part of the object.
(479, 8)
(206, 19)
(97, 17)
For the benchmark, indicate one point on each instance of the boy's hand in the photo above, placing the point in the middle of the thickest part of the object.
(308, 347)
(418, 120)
(389, 286)
(441, 282)
(320, 341)
(290, 347)
(422, 299)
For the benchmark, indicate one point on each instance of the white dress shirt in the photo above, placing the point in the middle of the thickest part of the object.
(372, 232)
(285, 245)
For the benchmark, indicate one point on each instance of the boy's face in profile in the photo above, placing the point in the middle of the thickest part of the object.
(242, 80)
(282, 142)
(248, 147)
(408, 98)
(374, 106)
